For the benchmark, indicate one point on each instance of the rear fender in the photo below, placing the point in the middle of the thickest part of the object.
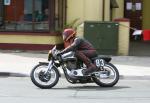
(106, 58)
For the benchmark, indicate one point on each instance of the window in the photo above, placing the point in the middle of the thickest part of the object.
(41, 15)
(31, 15)
(1, 13)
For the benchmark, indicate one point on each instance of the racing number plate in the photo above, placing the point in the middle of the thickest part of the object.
(100, 62)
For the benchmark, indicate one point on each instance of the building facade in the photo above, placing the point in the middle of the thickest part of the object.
(33, 24)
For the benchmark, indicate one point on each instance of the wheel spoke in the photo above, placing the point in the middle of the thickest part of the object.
(108, 77)
(43, 69)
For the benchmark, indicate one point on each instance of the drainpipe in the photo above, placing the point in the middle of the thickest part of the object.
(103, 11)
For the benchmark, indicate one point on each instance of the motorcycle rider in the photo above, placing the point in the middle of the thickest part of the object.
(83, 49)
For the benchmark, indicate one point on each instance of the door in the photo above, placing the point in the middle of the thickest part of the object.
(14, 10)
(133, 11)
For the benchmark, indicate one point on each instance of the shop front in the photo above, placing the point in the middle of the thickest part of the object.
(31, 24)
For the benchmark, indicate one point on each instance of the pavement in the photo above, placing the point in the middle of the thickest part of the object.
(20, 63)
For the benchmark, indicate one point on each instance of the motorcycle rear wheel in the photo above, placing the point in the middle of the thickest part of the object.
(37, 76)
(103, 81)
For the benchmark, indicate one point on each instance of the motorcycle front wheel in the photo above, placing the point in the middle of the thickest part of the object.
(42, 79)
(108, 77)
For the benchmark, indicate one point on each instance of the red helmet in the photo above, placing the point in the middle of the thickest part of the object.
(68, 33)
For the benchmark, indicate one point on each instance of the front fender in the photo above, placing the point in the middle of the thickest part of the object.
(46, 63)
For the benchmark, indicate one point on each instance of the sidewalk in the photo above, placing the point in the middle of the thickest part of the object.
(21, 63)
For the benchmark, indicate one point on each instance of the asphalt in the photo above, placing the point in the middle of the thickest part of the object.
(20, 63)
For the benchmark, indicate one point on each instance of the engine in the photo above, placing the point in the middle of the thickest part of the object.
(71, 64)
(70, 60)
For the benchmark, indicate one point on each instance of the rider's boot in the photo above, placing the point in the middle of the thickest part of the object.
(90, 69)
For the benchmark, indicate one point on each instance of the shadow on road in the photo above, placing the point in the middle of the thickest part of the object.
(91, 88)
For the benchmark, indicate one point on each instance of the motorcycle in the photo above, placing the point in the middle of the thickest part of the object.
(46, 75)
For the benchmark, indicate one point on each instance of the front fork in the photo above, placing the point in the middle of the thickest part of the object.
(51, 64)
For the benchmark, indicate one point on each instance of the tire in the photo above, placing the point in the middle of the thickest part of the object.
(41, 85)
(111, 84)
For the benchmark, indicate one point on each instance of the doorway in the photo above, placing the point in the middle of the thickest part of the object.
(133, 11)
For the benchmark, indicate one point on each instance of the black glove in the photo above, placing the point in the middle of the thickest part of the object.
(58, 54)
